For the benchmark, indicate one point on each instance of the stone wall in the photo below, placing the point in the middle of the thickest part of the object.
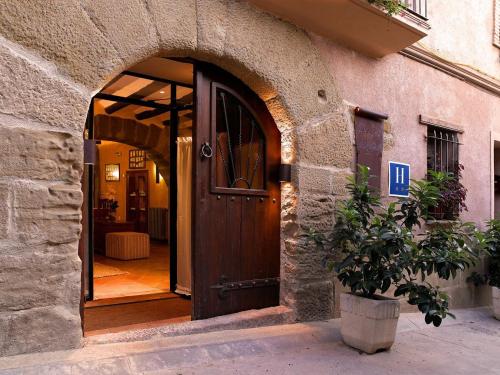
(54, 55)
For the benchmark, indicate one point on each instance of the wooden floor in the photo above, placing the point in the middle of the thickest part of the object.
(139, 277)
(107, 316)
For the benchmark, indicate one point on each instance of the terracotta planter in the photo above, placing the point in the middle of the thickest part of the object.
(495, 294)
(368, 324)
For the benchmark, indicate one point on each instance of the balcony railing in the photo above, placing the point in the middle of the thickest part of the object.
(417, 7)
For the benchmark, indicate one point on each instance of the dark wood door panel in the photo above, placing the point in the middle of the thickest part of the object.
(236, 219)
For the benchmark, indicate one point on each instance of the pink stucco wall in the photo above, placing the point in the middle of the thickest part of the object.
(404, 89)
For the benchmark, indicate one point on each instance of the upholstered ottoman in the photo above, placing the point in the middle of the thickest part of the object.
(127, 245)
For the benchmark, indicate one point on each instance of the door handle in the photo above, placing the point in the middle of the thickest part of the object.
(206, 151)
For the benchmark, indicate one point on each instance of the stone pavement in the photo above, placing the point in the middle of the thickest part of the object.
(468, 345)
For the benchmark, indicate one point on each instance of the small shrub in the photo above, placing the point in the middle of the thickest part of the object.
(492, 244)
(379, 248)
(390, 6)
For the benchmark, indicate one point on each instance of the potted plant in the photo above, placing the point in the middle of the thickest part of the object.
(492, 277)
(379, 248)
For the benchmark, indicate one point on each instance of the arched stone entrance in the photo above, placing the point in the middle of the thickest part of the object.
(52, 65)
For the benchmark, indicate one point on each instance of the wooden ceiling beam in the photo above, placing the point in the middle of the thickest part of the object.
(127, 100)
(141, 94)
(152, 78)
(181, 102)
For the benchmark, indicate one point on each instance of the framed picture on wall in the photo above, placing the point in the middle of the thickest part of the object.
(137, 159)
(112, 172)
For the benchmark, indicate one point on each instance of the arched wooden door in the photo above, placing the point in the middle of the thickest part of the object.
(236, 203)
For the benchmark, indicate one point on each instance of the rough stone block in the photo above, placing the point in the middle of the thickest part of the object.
(4, 210)
(233, 33)
(30, 92)
(65, 195)
(41, 329)
(38, 154)
(212, 25)
(34, 195)
(252, 32)
(134, 38)
(339, 182)
(40, 276)
(281, 117)
(315, 301)
(61, 32)
(175, 22)
(38, 225)
(46, 213)
(304, 262)
(312, 179)
(316, 211)
(326, 143)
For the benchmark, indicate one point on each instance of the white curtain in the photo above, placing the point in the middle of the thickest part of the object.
(184, 186)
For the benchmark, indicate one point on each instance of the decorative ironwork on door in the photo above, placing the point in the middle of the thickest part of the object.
(240, 144)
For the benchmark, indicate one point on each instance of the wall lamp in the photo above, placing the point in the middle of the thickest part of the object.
(285, 173)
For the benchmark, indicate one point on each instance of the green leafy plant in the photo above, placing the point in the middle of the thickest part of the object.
(453, 194)
(492, 244)
(390, 6)
(379, 248)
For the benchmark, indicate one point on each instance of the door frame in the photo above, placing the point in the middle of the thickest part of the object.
(174, 109)
(88, 229)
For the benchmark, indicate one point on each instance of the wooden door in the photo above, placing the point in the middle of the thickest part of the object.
(138, 199)
(236, 198)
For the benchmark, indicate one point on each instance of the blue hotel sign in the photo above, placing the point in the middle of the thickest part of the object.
(399, 179)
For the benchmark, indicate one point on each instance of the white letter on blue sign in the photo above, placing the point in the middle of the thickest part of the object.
(398, 175)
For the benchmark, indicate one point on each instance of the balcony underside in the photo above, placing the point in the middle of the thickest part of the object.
(353, 23)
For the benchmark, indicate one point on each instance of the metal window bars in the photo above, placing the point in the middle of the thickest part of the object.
(418, 7)
(442, 150)
(442, 156)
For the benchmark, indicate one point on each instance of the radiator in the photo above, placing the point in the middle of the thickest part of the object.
(158, 223)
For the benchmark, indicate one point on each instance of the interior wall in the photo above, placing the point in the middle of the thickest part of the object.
(117, 153)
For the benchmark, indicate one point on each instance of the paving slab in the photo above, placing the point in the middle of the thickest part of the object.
(468, 345)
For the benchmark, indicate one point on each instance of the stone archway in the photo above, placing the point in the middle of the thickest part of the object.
(51, 66)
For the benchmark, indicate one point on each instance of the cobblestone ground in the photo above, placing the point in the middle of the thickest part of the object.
(468, 345)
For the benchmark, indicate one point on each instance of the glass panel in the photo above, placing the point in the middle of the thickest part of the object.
(240, 145)
(185, 123)
(184, 95)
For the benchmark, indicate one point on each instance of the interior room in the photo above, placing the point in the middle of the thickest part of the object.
(140, 186)
(129, 197)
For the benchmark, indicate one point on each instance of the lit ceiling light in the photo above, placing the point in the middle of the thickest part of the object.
(162, 92)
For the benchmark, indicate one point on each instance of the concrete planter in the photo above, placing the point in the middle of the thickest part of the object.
(495, 294)
(368, 324)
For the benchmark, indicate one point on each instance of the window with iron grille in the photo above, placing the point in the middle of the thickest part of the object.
(442, 156)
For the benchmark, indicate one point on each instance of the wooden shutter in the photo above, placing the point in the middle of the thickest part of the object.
(369, 134)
